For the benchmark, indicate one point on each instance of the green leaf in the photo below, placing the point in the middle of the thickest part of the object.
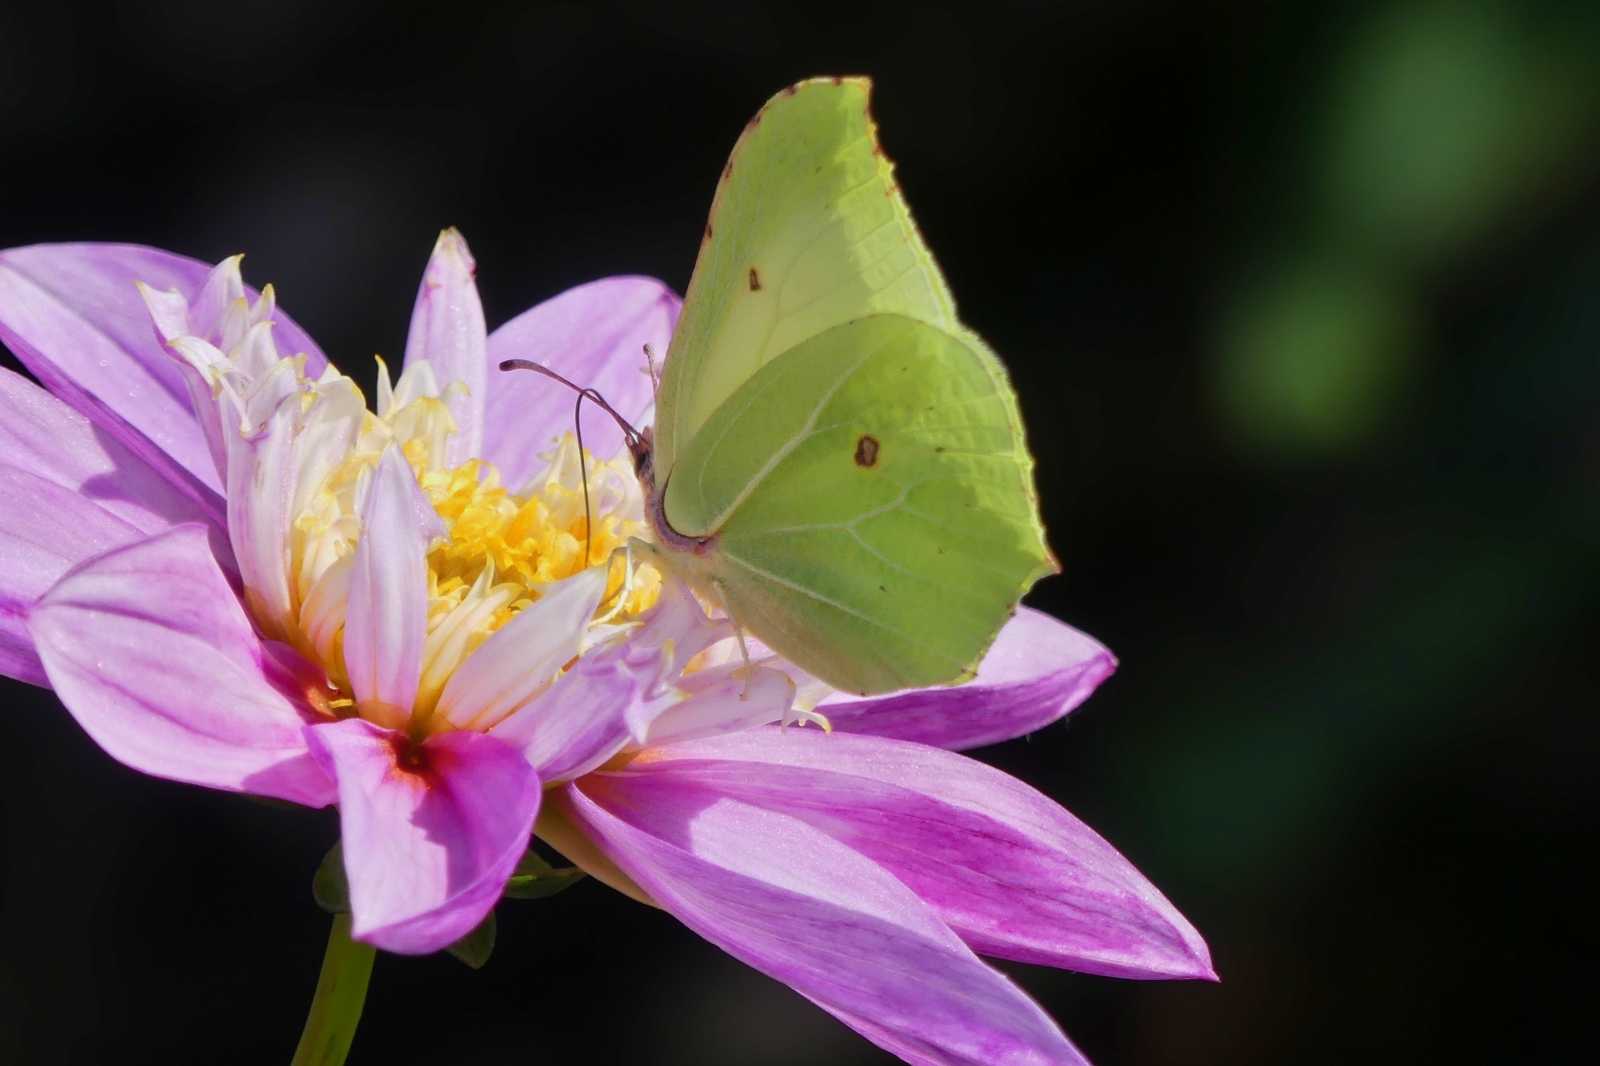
(534, 878)
(474, 948)
(328, 886)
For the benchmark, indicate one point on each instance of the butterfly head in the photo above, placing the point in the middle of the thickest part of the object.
(641, 446)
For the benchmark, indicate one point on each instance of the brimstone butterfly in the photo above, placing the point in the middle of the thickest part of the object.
(836, 459)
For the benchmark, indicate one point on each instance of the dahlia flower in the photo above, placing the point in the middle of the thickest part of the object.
(235, 574)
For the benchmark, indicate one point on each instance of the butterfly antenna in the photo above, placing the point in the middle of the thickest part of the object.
(738, 632)
(583, 475)
(634, 438)
(655, 377)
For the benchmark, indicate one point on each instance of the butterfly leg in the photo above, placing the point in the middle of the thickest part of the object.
(626, 590)
(738, 633)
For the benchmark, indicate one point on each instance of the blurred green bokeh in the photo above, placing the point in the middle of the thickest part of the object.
(1316, 358)
(1430, 129)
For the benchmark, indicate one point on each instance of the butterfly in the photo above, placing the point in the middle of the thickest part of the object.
(836, 460)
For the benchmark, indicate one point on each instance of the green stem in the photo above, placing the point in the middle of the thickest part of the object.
(341, 993)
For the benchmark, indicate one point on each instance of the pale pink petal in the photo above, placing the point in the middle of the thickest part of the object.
(149, 649)
(431, 832)
(74, 315)
(671, 634)
(44, 436)
(524, 654)
(45, 530)
(579, 722)
(789, 900)
(261, 486)
(207, 411)
(386, 618)
(611, 697)
(209, 307)
(169, 311)
(1007, 868)
(720, 701)
(448, 331)
(1037, 671)
(594, 335)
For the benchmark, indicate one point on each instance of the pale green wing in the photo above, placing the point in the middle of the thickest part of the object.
(807, 231)
(872, 501)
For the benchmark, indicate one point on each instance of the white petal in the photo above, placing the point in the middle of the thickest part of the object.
(261, 483)
(447, 332)
(386, 618)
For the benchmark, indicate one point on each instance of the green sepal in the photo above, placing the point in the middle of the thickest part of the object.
(475, 948)
(328, 886)
(534, 878)
(280, 804)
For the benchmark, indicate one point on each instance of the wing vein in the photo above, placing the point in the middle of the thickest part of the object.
(820, 598)
(794, 441)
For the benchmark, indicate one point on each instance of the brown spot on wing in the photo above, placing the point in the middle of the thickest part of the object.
(708, 231)
(755, 280)
(867, 450)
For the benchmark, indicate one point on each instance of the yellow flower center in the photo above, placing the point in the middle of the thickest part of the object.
(500, 551)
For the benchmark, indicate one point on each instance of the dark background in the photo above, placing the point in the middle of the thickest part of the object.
(1303, 303)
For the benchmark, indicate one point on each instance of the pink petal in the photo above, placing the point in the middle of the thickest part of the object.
(818, 916)
(1037, 671)
(17, 658)
(1013, 873)
(149, 649)
(448, 331)
(431, 832)
(40, 434)
(580, 722)
(594, 335)
(45, 530)
(386, 617)
(74, 316)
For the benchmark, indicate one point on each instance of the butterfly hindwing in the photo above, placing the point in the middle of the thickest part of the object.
(872, 502)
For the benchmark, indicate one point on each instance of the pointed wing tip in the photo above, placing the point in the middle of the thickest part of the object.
(837, 81)
(848, 83)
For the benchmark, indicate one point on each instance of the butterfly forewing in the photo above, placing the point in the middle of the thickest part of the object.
(807, 231)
